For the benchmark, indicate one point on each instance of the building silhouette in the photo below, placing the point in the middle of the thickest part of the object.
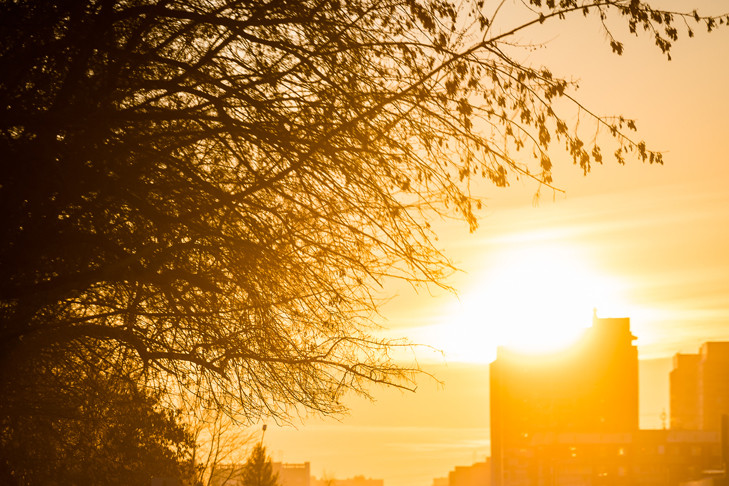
(355, 481)
(295, 474)
(477, 474)
(288, 474)
(592, 388)
(700, 388)
(684, 392)
(571, 418)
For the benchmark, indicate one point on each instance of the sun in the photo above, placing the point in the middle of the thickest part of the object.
(537, 297)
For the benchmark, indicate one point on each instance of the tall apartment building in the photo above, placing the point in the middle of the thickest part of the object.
(700, 388)
(592, 388)
(684, 386)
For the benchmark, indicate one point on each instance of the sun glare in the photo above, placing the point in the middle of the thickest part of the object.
(537, 298)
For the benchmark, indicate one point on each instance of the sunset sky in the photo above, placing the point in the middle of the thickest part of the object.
(646, 242)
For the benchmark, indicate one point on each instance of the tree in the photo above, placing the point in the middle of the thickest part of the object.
(217, 188)
(258, 469)
(219, 441)
(80, 425)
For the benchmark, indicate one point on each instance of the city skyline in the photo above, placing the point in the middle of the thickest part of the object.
(364, 455)
(659, 233)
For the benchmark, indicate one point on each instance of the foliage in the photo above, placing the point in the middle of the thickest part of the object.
(71, 422)
(258, 470)
(219, 187)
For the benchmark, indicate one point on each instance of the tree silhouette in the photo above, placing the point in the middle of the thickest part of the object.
(218, 439)
(258, 470)
(216, 189)
(79, 425)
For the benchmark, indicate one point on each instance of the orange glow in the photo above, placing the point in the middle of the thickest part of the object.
(538, 297)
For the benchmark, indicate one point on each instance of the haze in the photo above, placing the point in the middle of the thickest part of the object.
(638, 241)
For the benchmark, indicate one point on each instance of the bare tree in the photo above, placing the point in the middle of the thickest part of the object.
(220, 443)
(219, 186)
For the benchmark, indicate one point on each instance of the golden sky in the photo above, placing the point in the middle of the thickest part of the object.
(646, 242)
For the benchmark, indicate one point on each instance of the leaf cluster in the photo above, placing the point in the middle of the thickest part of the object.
(219, 187)
(69, 418)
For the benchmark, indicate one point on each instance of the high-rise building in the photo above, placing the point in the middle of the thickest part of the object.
(700, 388)
(684, 385)
(591, 388)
